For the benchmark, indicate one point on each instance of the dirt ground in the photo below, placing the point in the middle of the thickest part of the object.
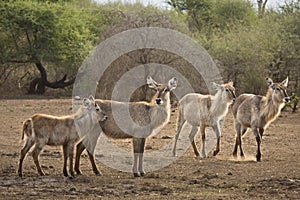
(220, 177)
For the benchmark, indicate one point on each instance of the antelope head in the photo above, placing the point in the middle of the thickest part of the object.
(227, 91)
(162, 96)
(91, 105)
(279, 93)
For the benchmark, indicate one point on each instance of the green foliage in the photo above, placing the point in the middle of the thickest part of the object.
(52, 32)
(211, 14)
(231, 13)
(248, 48)
(287, 57)
(60, 33)
(290, 7)
(245, 54)
(127, 16)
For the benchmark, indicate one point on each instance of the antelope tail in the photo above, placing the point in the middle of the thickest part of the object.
(180, 117)
(26, 128)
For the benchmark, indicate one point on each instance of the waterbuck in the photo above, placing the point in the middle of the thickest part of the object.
(136, 120)
(41, 129)
(257, 112)
(203, 111)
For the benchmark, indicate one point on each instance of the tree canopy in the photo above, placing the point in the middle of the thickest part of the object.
(49, 39)
(47, 34)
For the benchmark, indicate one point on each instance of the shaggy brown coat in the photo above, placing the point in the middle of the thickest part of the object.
(203, 111)
(146, 118)
(257, 112)
(51, 130)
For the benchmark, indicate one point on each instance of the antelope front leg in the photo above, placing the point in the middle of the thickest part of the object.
(238, 140)
(192, 139)
(25, 149)
(261, 132)
(94, 166)
(141, 156)
(71, 155)
(202, 130)
(65, 155)
(134, 167)
(258, 141)
(179, 127)
(90, 142)
(79, 149)
(35, 154)
(217, 147)
(136, 154)
(258, 154)
(217, 131)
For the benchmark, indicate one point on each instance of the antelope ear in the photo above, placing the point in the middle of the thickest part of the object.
(151, 83)
(77, 98)
(230, 83)
(269, 82)
(216, 86)
(86, 102)
(91, 98)
(172, 84)
(285, 82)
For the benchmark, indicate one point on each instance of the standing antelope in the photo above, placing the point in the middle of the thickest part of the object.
(50, 130)
(147, 118)
(203, 111)
(257, 112)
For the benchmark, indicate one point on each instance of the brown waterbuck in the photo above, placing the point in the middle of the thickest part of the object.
(257, 112)
(203, 111)
(41, 130)
(136, 120)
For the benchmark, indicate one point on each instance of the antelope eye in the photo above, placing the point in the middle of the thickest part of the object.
(278, 89)
(227, 90)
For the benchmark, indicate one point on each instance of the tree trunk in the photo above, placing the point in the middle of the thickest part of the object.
(32, 86)
(38, 85)
(261, 4)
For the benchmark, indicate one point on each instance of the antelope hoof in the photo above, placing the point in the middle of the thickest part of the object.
(203, 155)
(200, 157)
(258, 158)
(215, 152)
(142, 173)
(98, 174)
(66, 174)
(72, 174)
(78, 173)
(42, 173)
(20, 174)
(136, 175)
(234, 154)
